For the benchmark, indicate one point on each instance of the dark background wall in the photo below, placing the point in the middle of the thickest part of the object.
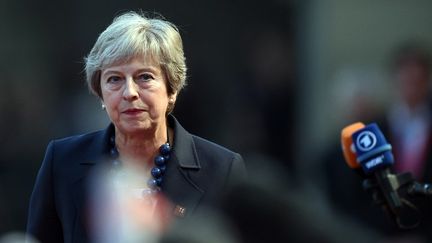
(271, 79)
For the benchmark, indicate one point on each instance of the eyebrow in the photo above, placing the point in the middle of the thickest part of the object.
(145, 69)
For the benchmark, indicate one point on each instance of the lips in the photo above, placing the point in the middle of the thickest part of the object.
(133, 111)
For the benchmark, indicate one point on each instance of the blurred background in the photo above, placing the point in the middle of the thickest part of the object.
(275, 80)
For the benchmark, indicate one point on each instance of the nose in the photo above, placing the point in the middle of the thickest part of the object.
(130, 91)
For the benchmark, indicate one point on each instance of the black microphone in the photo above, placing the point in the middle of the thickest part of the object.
(367, 151)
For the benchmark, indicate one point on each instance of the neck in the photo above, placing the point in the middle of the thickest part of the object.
(140, 148)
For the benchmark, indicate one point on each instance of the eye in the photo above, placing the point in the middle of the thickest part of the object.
(145, 77)
(113, 79)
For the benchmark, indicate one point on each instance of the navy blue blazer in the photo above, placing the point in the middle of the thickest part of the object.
(197, 174)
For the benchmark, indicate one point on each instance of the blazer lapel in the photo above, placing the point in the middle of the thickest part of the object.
(181, 190)
(96, 153)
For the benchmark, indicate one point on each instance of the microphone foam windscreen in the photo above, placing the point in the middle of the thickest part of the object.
(347, 144)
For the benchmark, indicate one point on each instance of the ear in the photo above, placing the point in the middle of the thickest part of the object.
(171, 102)
(172, 98)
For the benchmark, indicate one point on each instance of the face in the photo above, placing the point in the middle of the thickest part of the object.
(135, 95)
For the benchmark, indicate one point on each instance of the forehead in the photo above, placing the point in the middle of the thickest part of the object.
(137, 62)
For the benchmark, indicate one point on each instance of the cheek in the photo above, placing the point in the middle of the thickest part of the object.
(111, 102)
(156, 102)
(151, 97)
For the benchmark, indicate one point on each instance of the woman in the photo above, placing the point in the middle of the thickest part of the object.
(136, 68)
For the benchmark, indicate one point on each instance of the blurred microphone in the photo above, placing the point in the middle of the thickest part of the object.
(365, 147)
(367, 152)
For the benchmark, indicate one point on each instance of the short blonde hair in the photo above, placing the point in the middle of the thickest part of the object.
(131, 35)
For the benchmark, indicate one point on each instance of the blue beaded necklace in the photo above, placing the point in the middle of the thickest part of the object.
(157, 172)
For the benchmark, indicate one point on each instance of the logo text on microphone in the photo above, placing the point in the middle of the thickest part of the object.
(374, 162)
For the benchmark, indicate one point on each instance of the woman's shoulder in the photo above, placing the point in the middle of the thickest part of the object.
(91, 141)
(202, 143)
(189, 140)
(78, 138)
(215, 158)
(185, 141)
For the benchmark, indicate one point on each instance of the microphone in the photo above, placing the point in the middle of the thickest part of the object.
(367, 151)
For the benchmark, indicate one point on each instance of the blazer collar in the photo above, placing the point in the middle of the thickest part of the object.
(182, 190)
(184, 146)
(100, 147)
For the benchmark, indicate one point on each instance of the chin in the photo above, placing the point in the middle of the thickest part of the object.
(135, 127)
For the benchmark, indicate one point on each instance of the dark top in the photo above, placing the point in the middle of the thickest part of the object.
(197, 175)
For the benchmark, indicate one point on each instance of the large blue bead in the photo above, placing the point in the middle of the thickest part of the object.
(152, 183)
(159, 181)
(156, 172)
(165, 149)
(159, 160)
(162, 169)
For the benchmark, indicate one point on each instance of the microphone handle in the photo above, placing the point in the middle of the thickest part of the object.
(388, 185)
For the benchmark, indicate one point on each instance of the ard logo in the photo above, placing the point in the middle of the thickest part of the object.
(366, 141)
